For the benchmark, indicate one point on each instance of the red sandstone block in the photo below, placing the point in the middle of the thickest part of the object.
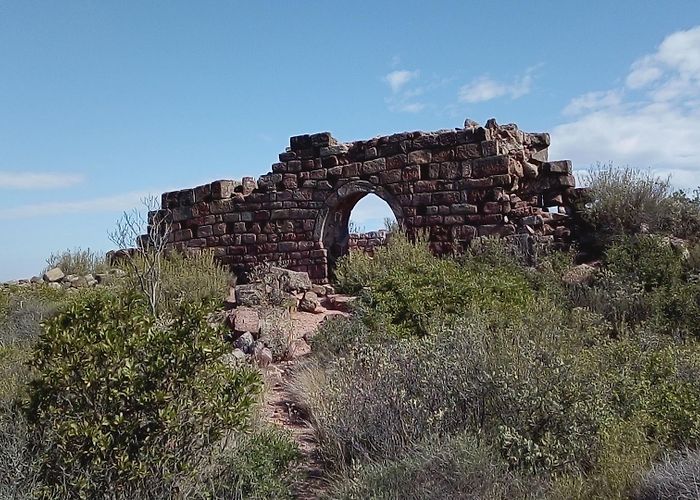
(205, 231)
(411, 173)
(352, 170)
(496, 230)
(390, 176)
(502, 180)
(373, 166)
(467, 152)
(489, 148)
(493, 165)
(199, 242)
(463, 208)
(450, 170)
(493, 219)
(288, 246)
(454, 219)
(248, 238)
(492, 207)
(445, 198)
(396, 161)
(419, 157)
(443, 155)
(425, 186)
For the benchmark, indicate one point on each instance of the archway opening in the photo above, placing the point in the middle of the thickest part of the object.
(359, 221)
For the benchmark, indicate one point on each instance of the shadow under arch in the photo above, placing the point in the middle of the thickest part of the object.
(332, 222)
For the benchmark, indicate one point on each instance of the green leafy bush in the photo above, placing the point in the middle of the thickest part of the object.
(123, 398)
(408, 290)
(78, 261)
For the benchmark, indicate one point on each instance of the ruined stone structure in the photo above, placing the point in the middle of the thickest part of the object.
(454, 184)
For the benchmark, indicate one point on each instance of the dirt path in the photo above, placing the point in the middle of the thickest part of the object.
(279, 408)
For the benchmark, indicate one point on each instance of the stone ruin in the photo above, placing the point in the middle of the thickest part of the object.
(455, 185)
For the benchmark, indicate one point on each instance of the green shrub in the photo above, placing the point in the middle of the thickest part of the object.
(457, 467)
(122, 398)
(645, 259)
(624, 200)
(379, 399)
(77, 261)
(681, 216)
(16, 460)
(408, 290)
(23, 309)
(176, 279)
(259, 465)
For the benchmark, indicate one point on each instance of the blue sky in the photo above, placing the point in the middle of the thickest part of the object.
(102, 102)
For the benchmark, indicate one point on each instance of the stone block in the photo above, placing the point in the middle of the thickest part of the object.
(419, 157)
(53, 275)
(223, 189)
(557, 167)
(493, 165)
(373, 166)
(246, 319)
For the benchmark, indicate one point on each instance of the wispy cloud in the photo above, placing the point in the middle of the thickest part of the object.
(651, 120)
(484, 88)
(38, 180)
(399, 78)
(403, 98)
(115, 203)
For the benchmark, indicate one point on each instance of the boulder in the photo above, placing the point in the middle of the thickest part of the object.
(261, 354)
(250, 295)
(54, 275)
(578, 275)
(246, 319)
(244, 342)
(291, 281)
(309, 303)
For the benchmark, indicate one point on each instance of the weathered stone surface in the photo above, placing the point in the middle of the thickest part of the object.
(246, 319)
(54, 274)
(309, 303)
(434, 181)
(244, 342)
(291, 281)
(250, 295)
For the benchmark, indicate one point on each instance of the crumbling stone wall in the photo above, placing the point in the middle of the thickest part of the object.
(367, 242)
(455, 184)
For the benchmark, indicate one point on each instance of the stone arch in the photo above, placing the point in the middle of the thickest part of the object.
(332, 221)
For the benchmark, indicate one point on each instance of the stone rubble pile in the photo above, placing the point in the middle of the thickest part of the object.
(260, 312)
(55, 278)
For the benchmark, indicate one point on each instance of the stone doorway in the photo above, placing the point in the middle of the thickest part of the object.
(334, 224)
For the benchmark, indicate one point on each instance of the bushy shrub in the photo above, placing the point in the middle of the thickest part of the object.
(681, 215)
(78, 261)
(408, 290)
(23, 309)
(379, 399)
(625, 199)
(677, 477)
(458, 467)
(124, 398)
(258, 466)
(177, 279)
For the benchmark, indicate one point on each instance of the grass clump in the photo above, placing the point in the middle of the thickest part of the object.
(78, 261)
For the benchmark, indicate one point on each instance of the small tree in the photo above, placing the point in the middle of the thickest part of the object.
(143, 236)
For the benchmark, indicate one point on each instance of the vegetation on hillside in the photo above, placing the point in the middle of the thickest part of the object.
(477, 375)
(480, 374)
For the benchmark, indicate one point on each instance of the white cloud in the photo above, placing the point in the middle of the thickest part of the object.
(37, 180)
(484, 88)
(399, 78)
(116, 203)
(402, 98)
(653, 120)
(593, 101)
